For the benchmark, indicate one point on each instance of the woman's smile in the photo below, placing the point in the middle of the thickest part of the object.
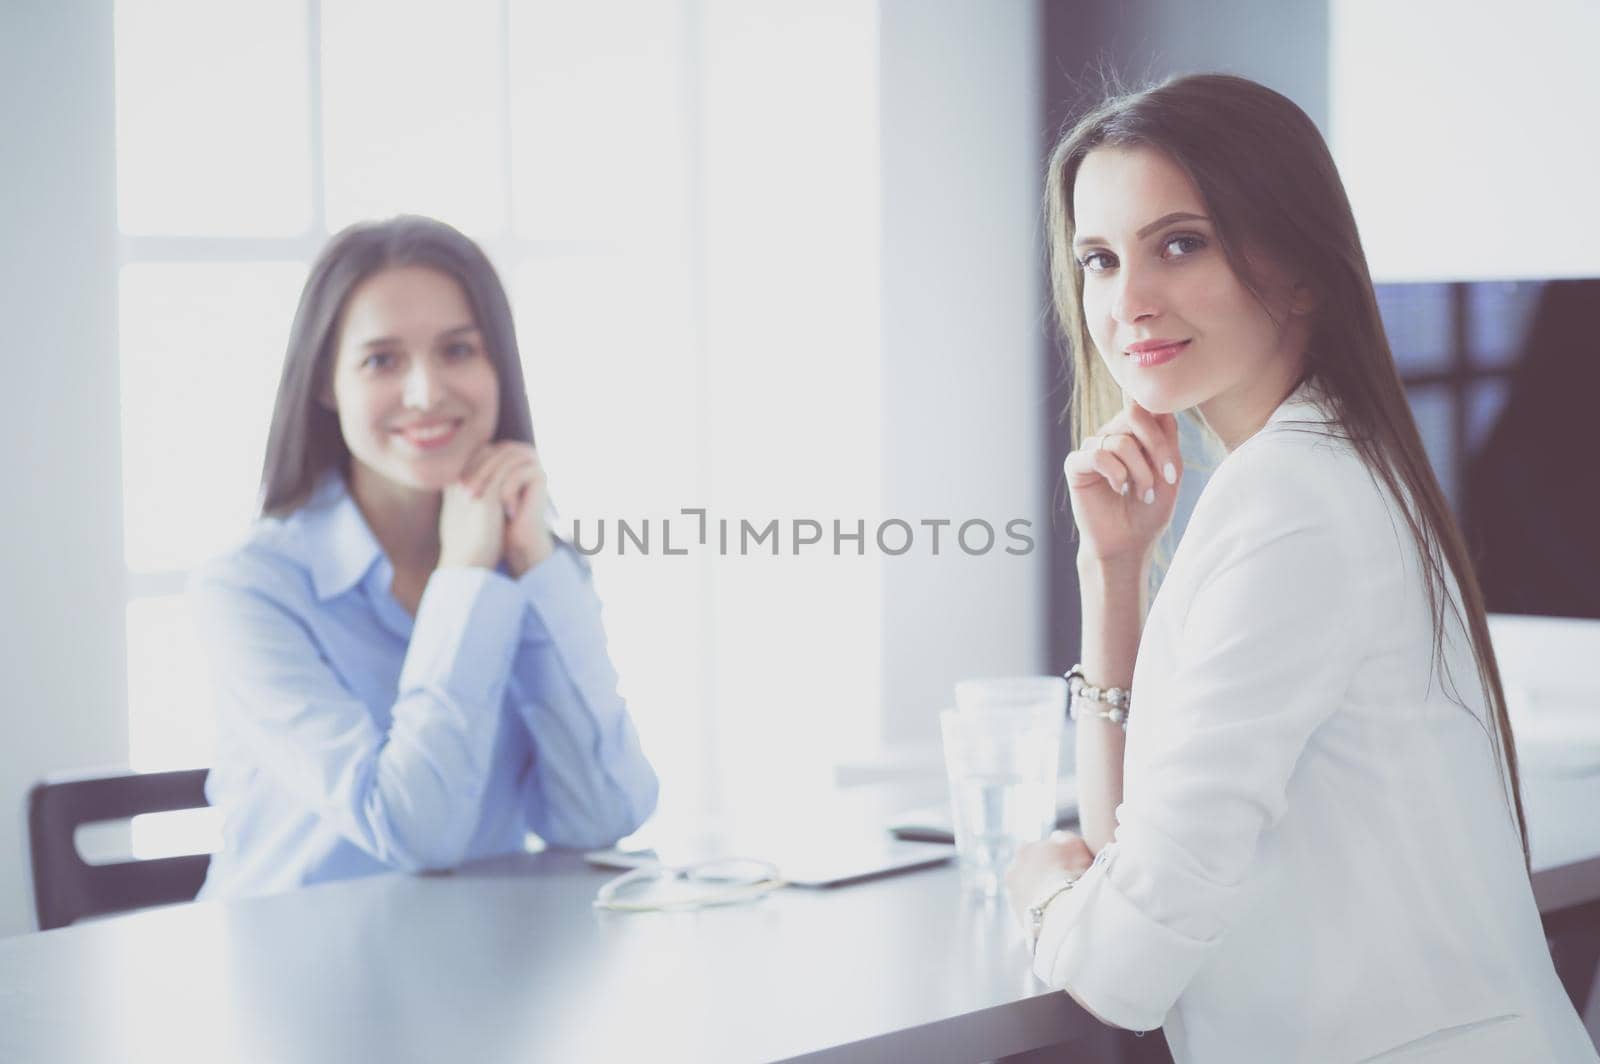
(1147, 353)
(430, 436)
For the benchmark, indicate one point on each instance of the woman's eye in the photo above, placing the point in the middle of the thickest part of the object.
(460, 349)
(378, 360)
(1096, 261)
(1186, 243)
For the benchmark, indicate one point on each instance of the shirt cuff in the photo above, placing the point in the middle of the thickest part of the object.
(465, 634)
(561, 597)
(1123, 966)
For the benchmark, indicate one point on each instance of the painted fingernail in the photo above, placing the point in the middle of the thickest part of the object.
(1149, 495)
(1170, 472)
(1124, 488)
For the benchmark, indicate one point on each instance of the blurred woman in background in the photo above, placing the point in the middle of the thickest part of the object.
(410, 669)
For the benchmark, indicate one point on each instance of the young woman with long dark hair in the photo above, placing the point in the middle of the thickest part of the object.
(1302, 834)
(410, 668)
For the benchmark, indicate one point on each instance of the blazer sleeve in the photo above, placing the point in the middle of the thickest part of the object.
(410, 795)
(1264, 658)
(591, 784)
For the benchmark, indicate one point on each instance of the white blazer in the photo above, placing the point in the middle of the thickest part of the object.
(1314, 857)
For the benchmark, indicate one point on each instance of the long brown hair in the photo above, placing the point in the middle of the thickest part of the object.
(305, 440)
(1269, 181)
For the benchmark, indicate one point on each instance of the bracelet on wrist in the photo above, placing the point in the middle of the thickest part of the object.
(1036, 912)
(1085, 699)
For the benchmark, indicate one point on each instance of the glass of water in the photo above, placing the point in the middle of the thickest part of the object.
(1002, 763)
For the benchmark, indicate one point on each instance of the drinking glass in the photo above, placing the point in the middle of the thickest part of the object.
(1002, 763)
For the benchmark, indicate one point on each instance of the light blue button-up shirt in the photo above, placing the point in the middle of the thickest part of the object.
(353, 739)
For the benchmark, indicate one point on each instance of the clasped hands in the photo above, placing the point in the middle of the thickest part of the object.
(497, 509)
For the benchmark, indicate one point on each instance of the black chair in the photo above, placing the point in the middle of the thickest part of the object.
(65, 886)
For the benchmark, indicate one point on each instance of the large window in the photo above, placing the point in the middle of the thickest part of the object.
(1456, 346)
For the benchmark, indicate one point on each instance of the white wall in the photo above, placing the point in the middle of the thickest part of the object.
(788, 230)
(61, 639)
(903, 381)
(963, 332)
(1465, 135)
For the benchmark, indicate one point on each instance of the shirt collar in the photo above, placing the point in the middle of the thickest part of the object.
(340, 547)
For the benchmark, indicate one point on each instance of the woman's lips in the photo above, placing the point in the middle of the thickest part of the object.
(1155, 356)
(430, 437)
